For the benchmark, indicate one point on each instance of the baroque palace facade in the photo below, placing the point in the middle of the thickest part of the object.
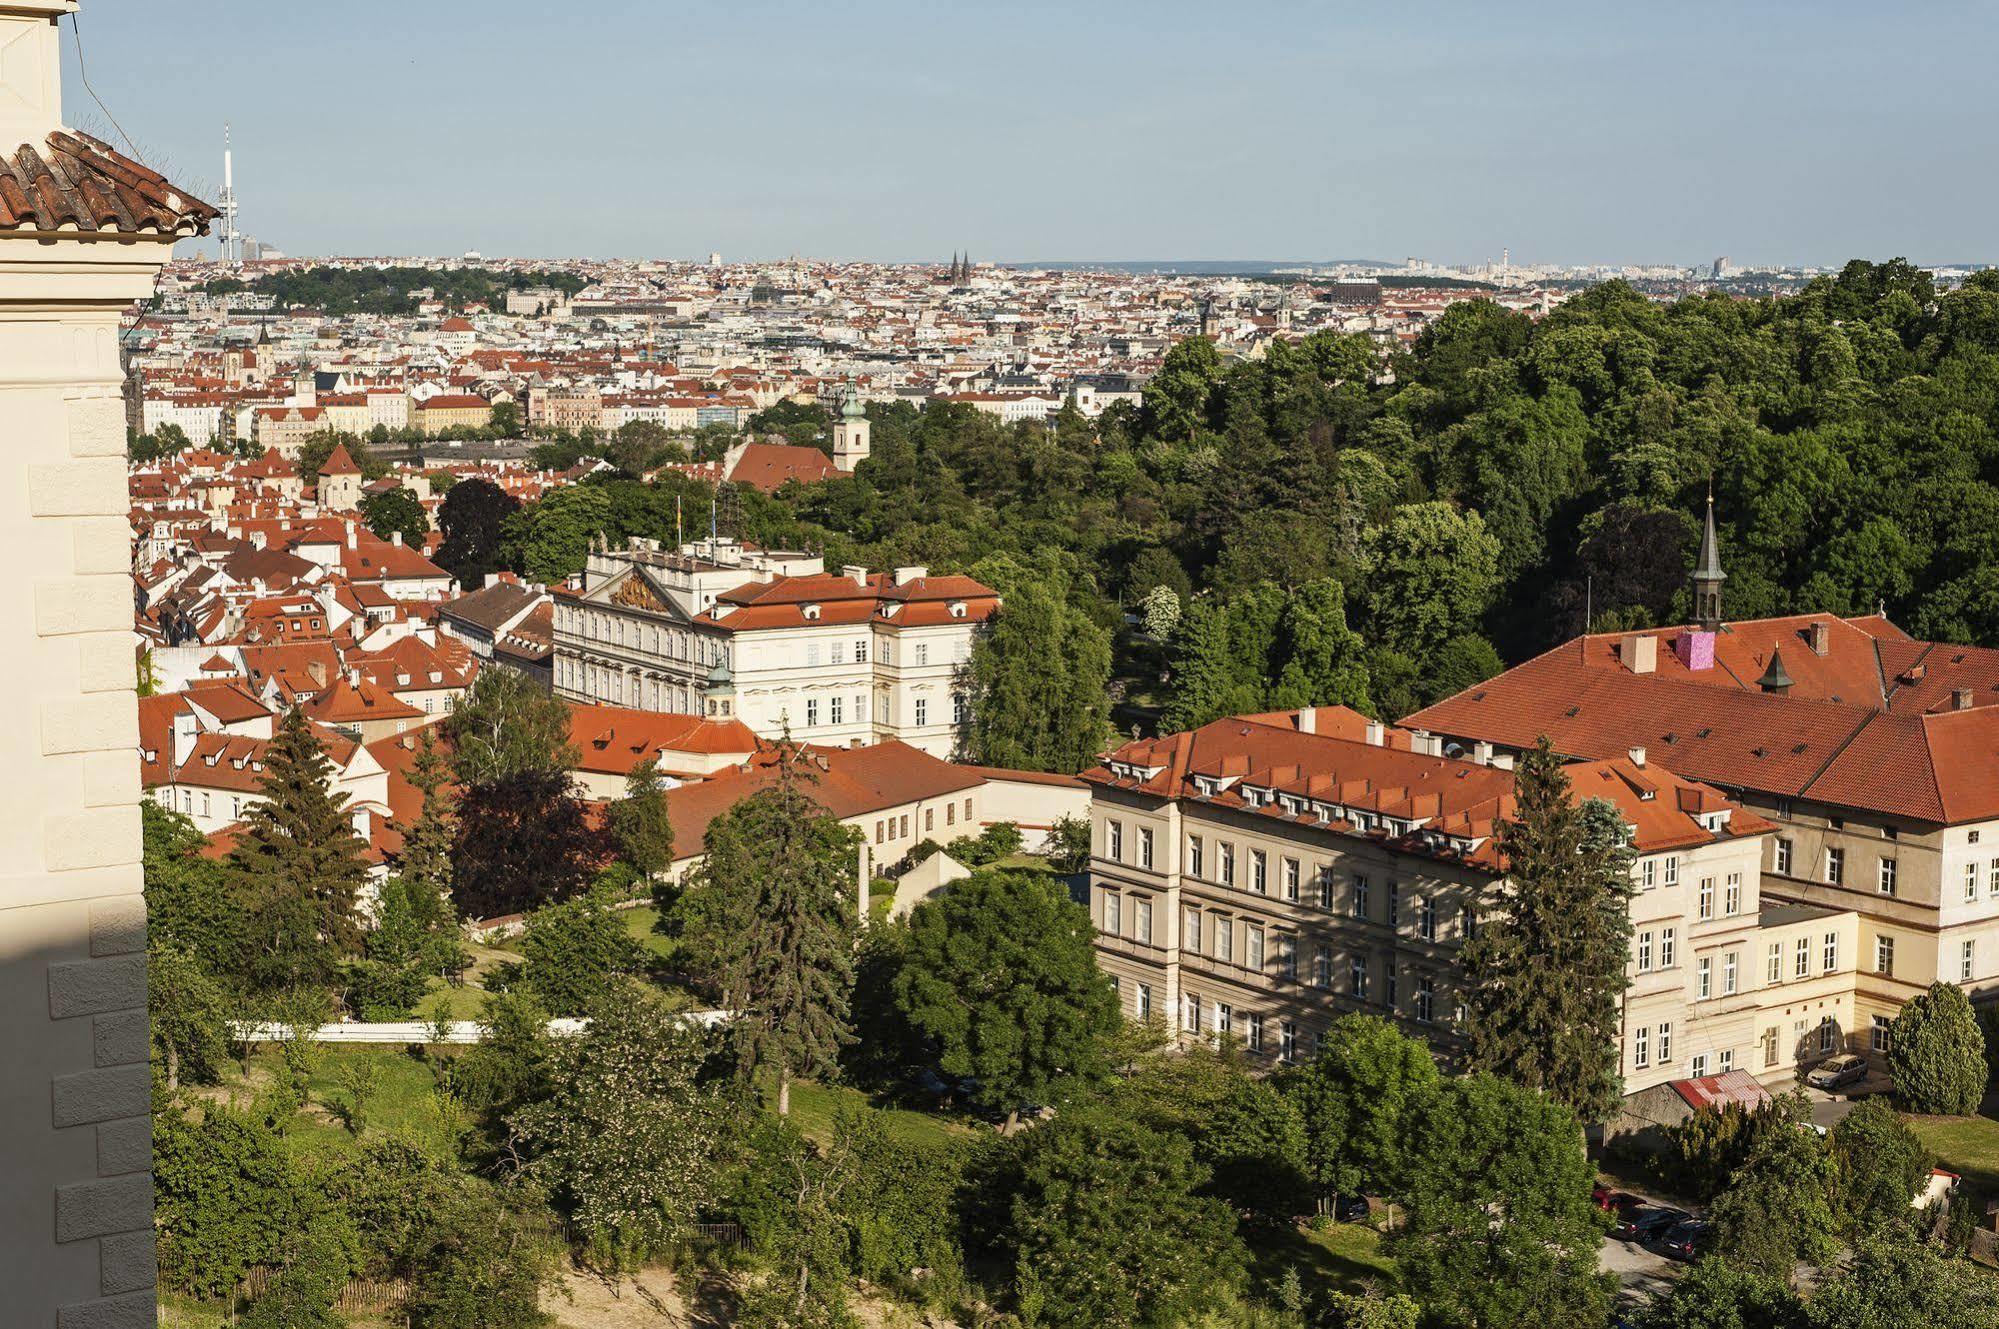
(771, 639)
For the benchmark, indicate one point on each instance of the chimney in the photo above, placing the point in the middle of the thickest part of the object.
(1308, 719)
(904, 576)
(1960, 699)
(183, 736)
(1639, 654)
(353, 534)
(29, 35)
(1637, 755)
(317, 670)
(857, 572)
(1821, 637)
(396, 538)
(1481, 752)
(1377, 733)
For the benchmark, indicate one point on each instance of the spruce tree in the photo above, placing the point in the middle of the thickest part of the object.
(770, 918)
(1545, 975)
(298, 866)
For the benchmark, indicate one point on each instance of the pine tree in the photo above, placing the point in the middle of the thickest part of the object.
(298, 867)
(770, 917)
(1545, 975)
(641, 821)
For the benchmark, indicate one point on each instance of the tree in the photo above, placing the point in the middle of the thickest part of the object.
(504, 420)
(505, 725)
(297, 866)
(1545, 974)
(189, 901)
(1716, 1295)
(1250, 1137)
(1001, 979)
(480, 1265)
(770, 917)
(640, 820)
(555, 533)
(1898, 1283)
(1038, 675)
(1176, 398)
(1879, 1165)
(225, 1195)
(1324, 660)
(188, 1013)
(1936, 1053)
(574, 951)
(471, 517)
(1777, 1209)
(1107, 1227)
(1431, 571)
(1355, 1099)
(1501, 1230)
(622, 1143)
(396, 511)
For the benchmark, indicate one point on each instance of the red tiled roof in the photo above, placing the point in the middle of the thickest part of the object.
(610, 740)
(80, 183)
(1714, 1091)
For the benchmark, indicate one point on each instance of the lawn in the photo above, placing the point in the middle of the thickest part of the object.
(639, 921)
(1344, 1257)
(1968, 1146)
(397, 1097)
(813, 1107)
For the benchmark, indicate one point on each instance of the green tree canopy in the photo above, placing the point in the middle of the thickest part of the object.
(1355, 1099)
(1936, 1052)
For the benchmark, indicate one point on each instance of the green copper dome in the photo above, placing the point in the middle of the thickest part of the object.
(851, 408)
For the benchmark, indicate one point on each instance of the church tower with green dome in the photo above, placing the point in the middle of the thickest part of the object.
(850, 433)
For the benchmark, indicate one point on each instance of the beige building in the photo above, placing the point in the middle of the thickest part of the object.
(1262, 875)
(773, 640)
(81, 239)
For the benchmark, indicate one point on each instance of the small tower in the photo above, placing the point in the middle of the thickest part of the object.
(850, 433)
(339, 481)
(1708, 576)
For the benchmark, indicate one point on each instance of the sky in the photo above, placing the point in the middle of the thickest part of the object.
(1767, 131)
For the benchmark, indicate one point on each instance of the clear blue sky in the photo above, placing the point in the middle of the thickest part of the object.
(1581, 132)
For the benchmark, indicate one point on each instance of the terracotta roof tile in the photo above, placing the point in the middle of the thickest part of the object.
(79, 183)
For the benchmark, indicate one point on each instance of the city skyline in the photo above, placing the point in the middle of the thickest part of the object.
(889, 133)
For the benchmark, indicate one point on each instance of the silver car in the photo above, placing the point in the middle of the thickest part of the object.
(1837, 1072)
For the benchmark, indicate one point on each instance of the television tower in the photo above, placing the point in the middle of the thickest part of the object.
(231, 238)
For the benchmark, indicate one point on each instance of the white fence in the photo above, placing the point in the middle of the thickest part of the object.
(416, 1031)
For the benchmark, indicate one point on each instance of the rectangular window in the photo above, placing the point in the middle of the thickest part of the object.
(1707, 897)
(1254, 1030)
(881, 832)
(1835, 866)
(1877, 1036)
(1426, 1000)
(1142, 917)
(922, 712)
(1259, 872)
(1801, 958)
(1426, 918)
(1322, 966)
(1326, 886)
(1291, 880)
(1359, 896)
(1190, 1012)
(812, 653)
(1641, 1047)
(1731, 896)
(1783, 866)
(1727, 1063)
(1666, 960)
(836, 709)
(1666, 1043)
(1887, 881)
(811, 712)
(1648, 874)
(1884, 956)
(1672, 870)
(1287, 956)
(1228, 864)
(1827, 1034)
(950, 814)
(1728, 974)
(1114, 841)
(1392, 984)
(1194, 856)
(1776, 966)
(1253, 947)
(1699, 1067)
(860, 652)
(1704, 978)
(1394, 905)
(929, 820)
(1190, 928)
(1970, 881)
(1967, 960)
(1145, 846)
(922, 653)
(1113, 914)
(1644, 952)
(1224, 939)
(1357, 978)
(1224, 1018)
(1287, 1041)
(1829, 957)
(1144, 1001)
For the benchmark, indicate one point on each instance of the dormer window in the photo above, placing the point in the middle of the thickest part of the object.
(957, 609)
(811, 612)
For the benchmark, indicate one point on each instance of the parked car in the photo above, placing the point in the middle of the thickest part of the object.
(1611, 1200)
(1837, 1072)
(1684, 1241)
(1646, 1222)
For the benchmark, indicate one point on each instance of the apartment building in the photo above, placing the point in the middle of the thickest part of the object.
(773, 640)
(1871, 752)
(1263, 875)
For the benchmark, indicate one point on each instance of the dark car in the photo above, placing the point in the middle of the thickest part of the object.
(1837, 1072)
(1645, 1222)
(1684, 1241)
(1350, 1209)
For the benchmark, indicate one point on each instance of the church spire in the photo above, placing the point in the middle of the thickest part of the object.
(1708, 575)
